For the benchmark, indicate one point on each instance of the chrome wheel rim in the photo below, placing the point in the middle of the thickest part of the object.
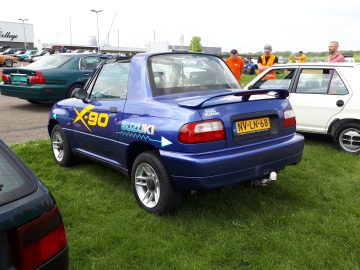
(350, 140)
(58, 146)
(147, 185)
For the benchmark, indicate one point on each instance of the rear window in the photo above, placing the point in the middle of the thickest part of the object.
(51, 61)
(14, 182)
(182, 73)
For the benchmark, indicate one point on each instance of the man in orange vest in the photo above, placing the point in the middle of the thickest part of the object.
(265, 61)
(236, 64)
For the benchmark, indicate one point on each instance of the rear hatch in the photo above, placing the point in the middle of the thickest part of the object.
(249, 116)
(23, 199)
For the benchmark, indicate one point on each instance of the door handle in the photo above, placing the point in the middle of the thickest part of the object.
(113, 110)
(86, 74)
(340, 103)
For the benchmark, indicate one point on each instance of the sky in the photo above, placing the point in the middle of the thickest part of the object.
(306, 25)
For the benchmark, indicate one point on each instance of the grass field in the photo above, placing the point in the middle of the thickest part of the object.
(308, 219)
(246, 78)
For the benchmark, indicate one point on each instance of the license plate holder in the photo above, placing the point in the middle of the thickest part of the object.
(249, 126)
(20, 79)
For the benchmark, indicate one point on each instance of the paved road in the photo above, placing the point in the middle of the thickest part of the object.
(21, 121)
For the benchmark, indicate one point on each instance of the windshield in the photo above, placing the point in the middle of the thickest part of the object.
(182, 73)
(52, 61)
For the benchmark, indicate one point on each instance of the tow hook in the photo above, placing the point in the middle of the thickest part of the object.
(265, 182)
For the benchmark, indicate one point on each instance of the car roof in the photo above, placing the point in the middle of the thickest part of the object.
(319, 64)
(78, 54)
(147, 55)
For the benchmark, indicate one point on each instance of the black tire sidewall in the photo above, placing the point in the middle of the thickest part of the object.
(340, 130)
(170, 198)
(68, 158)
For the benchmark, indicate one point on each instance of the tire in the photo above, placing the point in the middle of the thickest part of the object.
(70, 92)
(60, 148)
(8, 63)
(347, 137)
(151, 185)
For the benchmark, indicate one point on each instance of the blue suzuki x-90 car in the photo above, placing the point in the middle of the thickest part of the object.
(175, 121)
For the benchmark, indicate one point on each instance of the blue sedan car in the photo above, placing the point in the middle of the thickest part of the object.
(175, 121)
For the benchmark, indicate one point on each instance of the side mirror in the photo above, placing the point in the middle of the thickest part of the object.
(249, 87)
(80, 93)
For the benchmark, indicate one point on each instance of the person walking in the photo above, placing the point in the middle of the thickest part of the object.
(267, 60)
(334, 55)
(236, 64)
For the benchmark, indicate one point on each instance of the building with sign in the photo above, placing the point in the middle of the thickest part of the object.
(17, 34)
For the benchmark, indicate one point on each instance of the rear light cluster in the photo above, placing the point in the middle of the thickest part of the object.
(289, 118)
(36, 242)
(4, 77)
(37, 79)
(204, 131)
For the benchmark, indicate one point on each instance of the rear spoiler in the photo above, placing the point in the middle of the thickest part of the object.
(245, 94)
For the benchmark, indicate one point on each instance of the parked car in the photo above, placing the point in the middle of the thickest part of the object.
(7, 60)
(283, 60)
(39, 55)
(9, 51)
(24, 56)
(175, 121)
(50, 79)
(325, 97)
(32, 233)
(3, 48)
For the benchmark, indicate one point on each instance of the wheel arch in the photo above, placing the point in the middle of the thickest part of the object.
(134, 150)
(339, 122)
(72, 85)
(51, 125)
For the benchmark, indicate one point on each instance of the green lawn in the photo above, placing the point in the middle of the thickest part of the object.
(246, 78)
(308, 219)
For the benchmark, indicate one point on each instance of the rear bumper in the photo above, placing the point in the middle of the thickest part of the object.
(34, 92)
(231, 166)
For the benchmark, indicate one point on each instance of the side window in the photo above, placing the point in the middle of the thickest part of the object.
(282, 80)
(337, 86)
(314, 81)
(111, 82)
(89, 63)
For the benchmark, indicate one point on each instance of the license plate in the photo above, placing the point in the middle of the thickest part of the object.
(252, 125)
(20, 79)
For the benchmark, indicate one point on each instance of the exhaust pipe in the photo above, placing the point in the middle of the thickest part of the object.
(265, 181)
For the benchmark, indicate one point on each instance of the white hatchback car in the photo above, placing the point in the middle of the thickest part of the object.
(325, 96)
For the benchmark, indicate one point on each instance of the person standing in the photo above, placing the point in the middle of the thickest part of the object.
(236, 64)
(334, 55)
(301, 58)
(267, 60)
(62, 49)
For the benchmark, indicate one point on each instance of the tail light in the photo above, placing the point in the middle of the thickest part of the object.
(36, 242)
(4, 77)
(37, 79)
(204, 131)
(289, 118)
